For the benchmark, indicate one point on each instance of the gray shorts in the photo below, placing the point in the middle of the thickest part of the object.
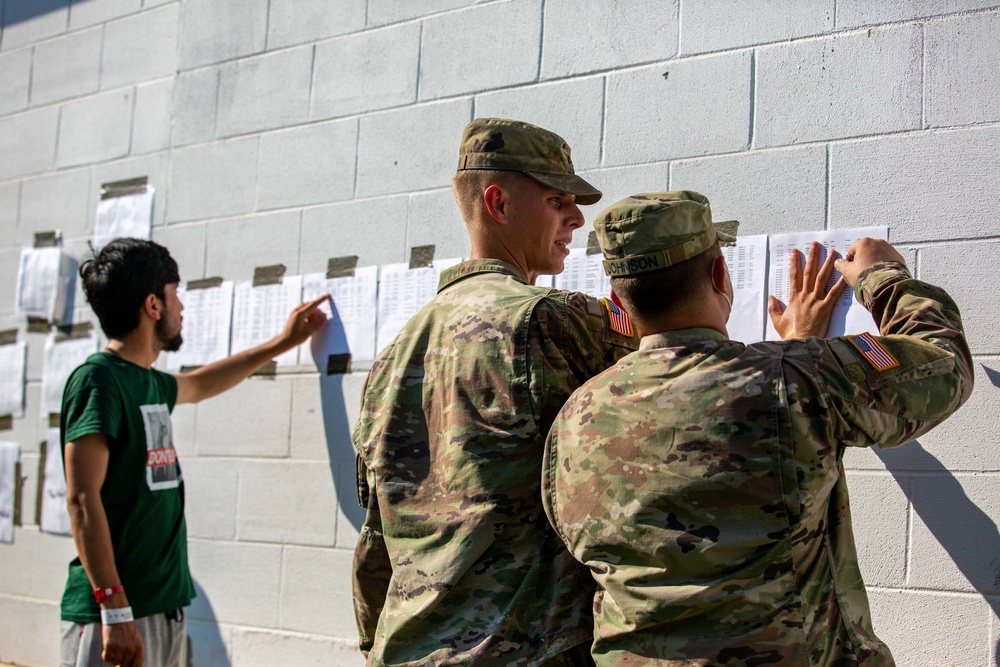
(164, 642)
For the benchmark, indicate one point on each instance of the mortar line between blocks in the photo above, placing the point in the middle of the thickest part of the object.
(923, 75)
(31, 77)
(541, 41)
(312, 82)
(420, 56)
(281, 584)
(753, 100)
(267, 26)
(100, 61)
(680, 30)
(298, 261)
(239, 496)
(55, 144)
(132, 123)
(907, 565)
(604, 121)
(256, 172)
(292, 381)
(826, 190)
(357, 155)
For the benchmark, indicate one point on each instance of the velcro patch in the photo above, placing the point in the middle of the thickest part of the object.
(873, 351)
(620, 321)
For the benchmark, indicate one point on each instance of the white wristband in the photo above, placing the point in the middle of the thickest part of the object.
(114, 616)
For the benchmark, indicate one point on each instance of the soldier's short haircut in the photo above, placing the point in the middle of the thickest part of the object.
(119, 277)
(470, 184)
(656, 293)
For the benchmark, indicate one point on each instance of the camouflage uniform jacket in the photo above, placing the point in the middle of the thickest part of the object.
(456, 562)
(701, 481)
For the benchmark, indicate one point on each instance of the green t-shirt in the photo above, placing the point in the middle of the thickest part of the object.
(143, 490)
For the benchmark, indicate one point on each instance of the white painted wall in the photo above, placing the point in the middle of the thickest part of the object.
(290, 131)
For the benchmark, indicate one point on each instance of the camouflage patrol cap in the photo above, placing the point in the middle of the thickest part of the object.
(513, 145)
(653, 231)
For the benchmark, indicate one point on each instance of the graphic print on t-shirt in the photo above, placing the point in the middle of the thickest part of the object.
(162, 471)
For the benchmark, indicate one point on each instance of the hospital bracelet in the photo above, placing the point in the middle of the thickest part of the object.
(118, 615)
(102, 594)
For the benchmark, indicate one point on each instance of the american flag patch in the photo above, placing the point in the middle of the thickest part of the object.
(620, 321)
(872, 350)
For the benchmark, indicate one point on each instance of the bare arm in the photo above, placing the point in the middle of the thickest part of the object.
(810, 305)
(86, 466)
(216, 378)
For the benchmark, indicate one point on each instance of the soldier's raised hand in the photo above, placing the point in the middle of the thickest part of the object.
(810, 305)
(862, 254)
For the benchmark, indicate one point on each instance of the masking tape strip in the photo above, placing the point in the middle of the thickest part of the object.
(204, 283)
(268, 275)
(338, 364)
(74, 331)
(341, 267)
(38, 325)
(48, 239)
(130, 186)
(421, 256)
(268, 369)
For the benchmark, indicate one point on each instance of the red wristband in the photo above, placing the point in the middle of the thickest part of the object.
(102, 594)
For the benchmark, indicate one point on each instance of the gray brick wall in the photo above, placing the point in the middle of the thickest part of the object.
(291, 131)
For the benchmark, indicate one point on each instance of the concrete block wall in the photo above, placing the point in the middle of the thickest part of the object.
(291, 131)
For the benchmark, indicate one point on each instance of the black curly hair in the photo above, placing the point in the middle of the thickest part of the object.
(119, 277)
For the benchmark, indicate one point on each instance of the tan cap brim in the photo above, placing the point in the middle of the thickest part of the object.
(571, 184)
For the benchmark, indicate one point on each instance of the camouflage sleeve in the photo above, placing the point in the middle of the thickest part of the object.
(892, 388)
(570, 340)
(594, 341)
(372, 568)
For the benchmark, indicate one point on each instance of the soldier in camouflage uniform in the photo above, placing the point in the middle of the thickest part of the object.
(456, 562)
(701, 480)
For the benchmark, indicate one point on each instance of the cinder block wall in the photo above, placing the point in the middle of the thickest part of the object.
(291, 131)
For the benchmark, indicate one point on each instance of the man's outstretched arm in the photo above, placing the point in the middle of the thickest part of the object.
(217, 377)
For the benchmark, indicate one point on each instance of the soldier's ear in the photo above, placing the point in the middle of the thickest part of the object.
(495, 202)
(720, 274)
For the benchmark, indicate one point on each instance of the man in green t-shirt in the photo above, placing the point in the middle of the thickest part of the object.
(126, 591)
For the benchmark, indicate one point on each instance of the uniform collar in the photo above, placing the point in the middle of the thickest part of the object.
(680, 338)
(470, 268)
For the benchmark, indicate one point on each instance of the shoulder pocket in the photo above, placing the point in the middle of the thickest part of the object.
(880, 360)
(612, 324)
(361, 473)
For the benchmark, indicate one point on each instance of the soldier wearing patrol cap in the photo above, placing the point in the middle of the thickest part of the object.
(456, 562)
(701, 480)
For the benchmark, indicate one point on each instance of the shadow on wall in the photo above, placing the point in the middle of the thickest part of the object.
(15, 11)
(206, 647)
(965, 531)
(337, 427)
